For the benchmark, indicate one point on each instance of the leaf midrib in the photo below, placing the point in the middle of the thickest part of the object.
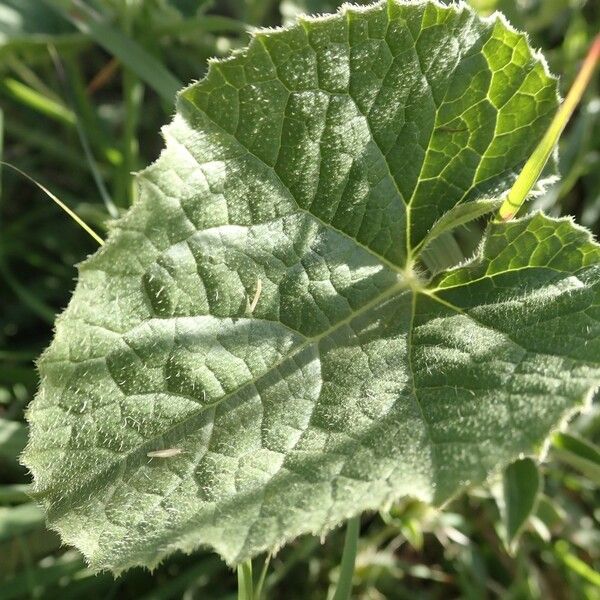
(442, 288)
(390, 265)
(393, 291)
(387, 295)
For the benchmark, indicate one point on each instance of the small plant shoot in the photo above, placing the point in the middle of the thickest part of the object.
(275, 338)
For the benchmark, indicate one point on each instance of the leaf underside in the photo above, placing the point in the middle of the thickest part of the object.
(258, 310)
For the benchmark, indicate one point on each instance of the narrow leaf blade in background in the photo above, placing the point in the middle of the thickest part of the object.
(127, 50)
(579, 453)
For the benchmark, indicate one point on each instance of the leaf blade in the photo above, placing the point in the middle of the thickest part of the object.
(521, 487)
(579, 453)
(353, 381)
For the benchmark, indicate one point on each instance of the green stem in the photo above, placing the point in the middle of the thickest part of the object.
(35, 101)
(60, 203)
(75, 96)
(258, 591)
(245, 581)
(133, 92)
(344, 586)
(538, 159)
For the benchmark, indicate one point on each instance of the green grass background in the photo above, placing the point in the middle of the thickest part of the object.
(85, 86)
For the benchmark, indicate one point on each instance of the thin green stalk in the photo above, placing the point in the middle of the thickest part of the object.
(60, 203)
(39, 307)
(245, 581)
(258, 591)
(29, 77)
(133, 91)
(88, 114)
(50, 144)
(344, 586)
(33, 99)
(575, 564)
(93, 165)
(538, 159)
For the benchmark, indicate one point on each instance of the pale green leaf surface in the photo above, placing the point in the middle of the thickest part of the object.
(310, 166)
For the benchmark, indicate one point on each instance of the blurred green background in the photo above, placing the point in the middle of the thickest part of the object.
(84, 88)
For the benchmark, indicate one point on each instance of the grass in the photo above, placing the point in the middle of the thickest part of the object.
(84, 90)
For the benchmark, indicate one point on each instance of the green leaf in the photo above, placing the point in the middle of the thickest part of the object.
(548, 517)
(25, 23)
(256, 353)
(127, 50)
(13, 437)
(550, 512)
(456, 216)
(574, 563)
(521, 487)
(580, 454)
(18, 520)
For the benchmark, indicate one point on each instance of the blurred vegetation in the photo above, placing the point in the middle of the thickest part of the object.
(85, 86)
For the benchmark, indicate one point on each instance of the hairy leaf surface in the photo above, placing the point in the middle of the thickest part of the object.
(256, 354)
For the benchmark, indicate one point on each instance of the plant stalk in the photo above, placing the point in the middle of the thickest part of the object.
(260, 586)
(344, 586)
(538, 159)
(245, 581)
(59, 202)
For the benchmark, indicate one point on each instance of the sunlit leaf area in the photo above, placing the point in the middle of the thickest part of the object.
(299, 299)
